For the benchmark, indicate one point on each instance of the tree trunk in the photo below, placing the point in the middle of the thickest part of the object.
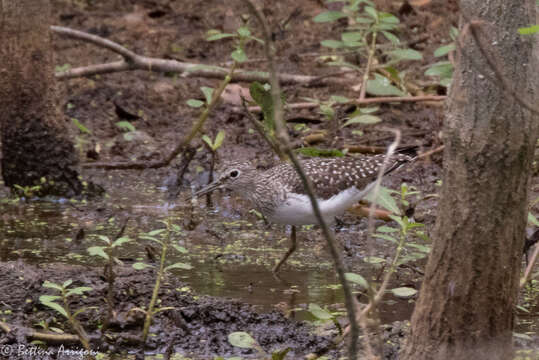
(35, 146)
(465, 307)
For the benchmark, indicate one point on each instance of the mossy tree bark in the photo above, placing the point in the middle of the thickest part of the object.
(466, 303)
(35, 146)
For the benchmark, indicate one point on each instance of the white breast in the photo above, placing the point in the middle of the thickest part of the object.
(297, 208)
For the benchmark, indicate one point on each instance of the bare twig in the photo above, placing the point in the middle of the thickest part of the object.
(260, 129)
(282, 137)
(529, 268)
(132, 61)
(375, 100)
(372, 49)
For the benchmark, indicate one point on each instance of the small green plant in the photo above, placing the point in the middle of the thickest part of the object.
(443, 70)
(243, 340)
(164, 242)
(366, 23)
(323, 316)
(108, 252)
(64, 309)
(213, 146)
(27, 192)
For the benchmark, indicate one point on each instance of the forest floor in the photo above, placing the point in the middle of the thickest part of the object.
(230, 287)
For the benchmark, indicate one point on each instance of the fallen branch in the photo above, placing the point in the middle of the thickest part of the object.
(132, 61)
(375, 100)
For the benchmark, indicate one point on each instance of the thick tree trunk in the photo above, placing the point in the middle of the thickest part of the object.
(465, 307)
(35, 146)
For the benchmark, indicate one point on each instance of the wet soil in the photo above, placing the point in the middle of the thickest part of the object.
(230, 287)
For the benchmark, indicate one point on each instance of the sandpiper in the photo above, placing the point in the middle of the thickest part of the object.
(279, 195)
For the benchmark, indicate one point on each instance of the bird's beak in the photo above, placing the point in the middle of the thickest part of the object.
(208, 189)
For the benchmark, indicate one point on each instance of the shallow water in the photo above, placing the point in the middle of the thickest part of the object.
(231, 250)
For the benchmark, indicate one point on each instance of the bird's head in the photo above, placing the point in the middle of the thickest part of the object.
(235, 176)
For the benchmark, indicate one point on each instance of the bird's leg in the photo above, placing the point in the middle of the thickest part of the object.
(289, 252)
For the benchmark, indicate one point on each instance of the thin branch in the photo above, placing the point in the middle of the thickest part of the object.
(282, 137)
(529, 268)
(260, 129)
(372, 49)
(132, 61)
(375, 100)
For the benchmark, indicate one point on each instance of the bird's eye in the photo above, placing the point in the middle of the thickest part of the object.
(234, 174)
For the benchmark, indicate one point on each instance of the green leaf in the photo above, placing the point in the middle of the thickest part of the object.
(48, 300)
(219, 139)
(219, 36)
(244, 31)
(145, 237)
(52, 285)
(194, 103)
(81, 310)
(444, 50)
(263, 98)
(332, 44)
(98, 251)
(179, 265)
(405, 54)
(357, 279)
(388, 18)
(392, 38)
(384, 199)
(180, 249)
(104, 238)
(156, 232)
(316, 152)
(125, 126)
(364, 20)
(443, 69)
(372, 12)
(242, 340)
(529, 30)
(141, 266)
(369, 110)
(363, 119)
(381, 86)
(374, 260)
(239, 55)
(386, 229)
(404, 292)
(329, 16)
(78, 290)
(422, 248)
(120, 241)
(386, 237)
(207, 140)
(281, 354)
(319, 313)
(339, 99)
(67, 283)
(82, 128)
(355, 36)
(532, 219)
(208, 92)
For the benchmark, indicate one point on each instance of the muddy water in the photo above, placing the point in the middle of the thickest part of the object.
(232, 251)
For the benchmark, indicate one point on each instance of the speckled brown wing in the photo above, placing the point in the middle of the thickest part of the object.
(330, 176)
